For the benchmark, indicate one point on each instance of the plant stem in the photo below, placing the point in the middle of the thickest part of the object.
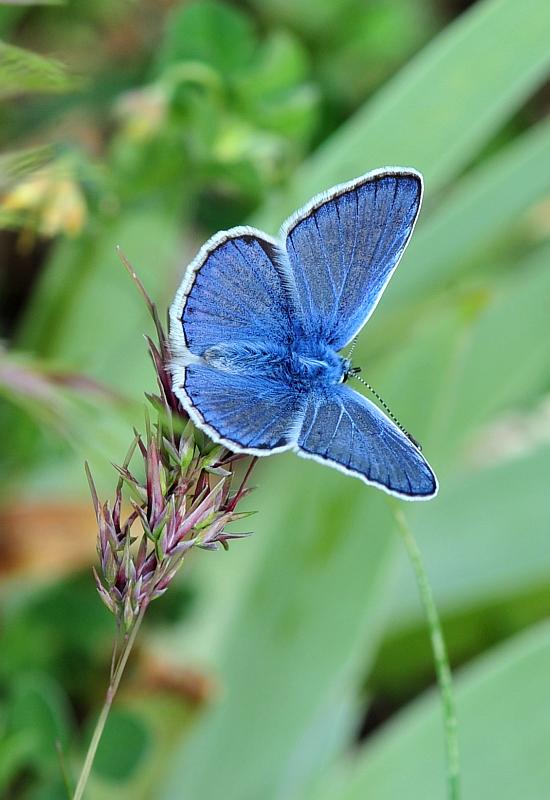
(442, 668)
(109, 697)
(63, 767)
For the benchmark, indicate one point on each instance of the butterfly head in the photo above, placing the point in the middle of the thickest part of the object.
(349, 370)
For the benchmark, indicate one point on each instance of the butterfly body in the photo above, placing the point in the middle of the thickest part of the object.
(302, 368)
(258, 324)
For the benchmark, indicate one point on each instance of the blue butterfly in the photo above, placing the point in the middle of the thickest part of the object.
(257, 325)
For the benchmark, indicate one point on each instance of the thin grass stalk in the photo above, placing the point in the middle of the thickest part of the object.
(109, 697)
(441, 659)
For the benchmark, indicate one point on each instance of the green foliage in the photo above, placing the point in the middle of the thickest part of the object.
(243, 101)
(209, 32)
(387, 129)
(123, 746)
(22, 71)
(211, 114)
(37, 716)
(496, 693)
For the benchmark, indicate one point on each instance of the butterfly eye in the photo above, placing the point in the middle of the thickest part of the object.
(350, 371)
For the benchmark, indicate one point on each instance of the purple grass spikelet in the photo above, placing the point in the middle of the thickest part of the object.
(175, 491)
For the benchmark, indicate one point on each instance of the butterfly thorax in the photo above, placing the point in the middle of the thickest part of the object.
(302, 367)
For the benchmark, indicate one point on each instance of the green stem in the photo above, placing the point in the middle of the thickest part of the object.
(442, 668)
(109, 697)
(63, 767)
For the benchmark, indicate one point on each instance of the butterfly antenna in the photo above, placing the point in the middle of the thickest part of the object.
(352, 348)
(387, 409)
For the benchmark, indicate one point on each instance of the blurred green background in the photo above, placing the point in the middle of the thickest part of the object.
(297, 666)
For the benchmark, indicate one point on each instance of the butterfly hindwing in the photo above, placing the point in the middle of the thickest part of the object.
(345, 430)
(248, 413)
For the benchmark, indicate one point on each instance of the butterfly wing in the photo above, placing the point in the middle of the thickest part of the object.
(247, 413)
(343, 248)
(232, 291)
(343, 429)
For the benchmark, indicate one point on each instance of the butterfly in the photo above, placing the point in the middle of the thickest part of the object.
(258, 323)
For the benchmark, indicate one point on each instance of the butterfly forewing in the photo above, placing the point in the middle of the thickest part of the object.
(343, 248)
(232, 291)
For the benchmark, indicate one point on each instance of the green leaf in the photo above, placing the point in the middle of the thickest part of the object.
(311, 16)
(22, 72)
(38, 708)
(211, 32)
(274, 91)
(495, 348)
(367, 44)
(17, 749)
(472, 539)
(18, 164)
(123, 746)
(437, 113)
(504, 728)
(31, 2)
(486, 203)
(279, 64)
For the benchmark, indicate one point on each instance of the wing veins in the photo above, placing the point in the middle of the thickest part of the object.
(268, 425)
(312, 422)
(335, 429)
(325, 255)
(345, 281)
(308, 292)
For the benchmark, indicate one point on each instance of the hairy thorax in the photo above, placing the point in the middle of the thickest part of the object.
(293, 365)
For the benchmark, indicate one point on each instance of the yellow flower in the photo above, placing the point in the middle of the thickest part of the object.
(65, 209)
(46, 202)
